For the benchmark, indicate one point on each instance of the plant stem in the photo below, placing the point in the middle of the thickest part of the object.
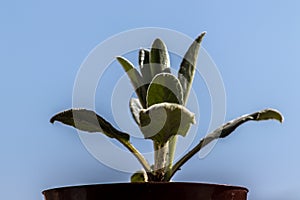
(137, 154)
(172, 148)
(161, 159)
(190, 154)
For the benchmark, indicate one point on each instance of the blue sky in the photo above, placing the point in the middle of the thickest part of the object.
(255, 45)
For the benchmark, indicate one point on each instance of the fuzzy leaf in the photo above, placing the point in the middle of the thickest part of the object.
(224, 131)
(164, 87)
(230, 126)
(159, 58)
(135, 78)
(188, 66)
(162, 121)
(269, 114)
(87, 120)
(144, 62)
(135, 108)
(139, 177)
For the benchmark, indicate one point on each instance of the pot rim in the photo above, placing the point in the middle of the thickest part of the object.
(148, 183)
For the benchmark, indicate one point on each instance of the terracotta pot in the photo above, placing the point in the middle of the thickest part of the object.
(151, 191)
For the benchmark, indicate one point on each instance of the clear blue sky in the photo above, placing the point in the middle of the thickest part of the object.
(255, 45)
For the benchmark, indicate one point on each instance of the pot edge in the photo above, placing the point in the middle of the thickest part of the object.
(146, 183)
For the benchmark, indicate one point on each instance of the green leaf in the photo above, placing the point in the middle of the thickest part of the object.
(144, 62)
(224, 131)
(230, 126)
(164, 87)
(135, 78)
(162, 121)
(135, 108)
(269, 114)
(159, 58)
(87, 120)
(139, 177)
(187, 68)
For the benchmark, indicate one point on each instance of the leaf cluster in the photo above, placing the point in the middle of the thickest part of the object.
(159, 111)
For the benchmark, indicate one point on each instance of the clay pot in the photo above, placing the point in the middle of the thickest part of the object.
(151, 191)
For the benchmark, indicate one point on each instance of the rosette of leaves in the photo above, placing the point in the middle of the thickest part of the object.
(159, 110)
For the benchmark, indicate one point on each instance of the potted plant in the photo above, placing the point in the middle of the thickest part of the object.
(160, 112)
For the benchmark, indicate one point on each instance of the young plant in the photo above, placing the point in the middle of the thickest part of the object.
(159, 111)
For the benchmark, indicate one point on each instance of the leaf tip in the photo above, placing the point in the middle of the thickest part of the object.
(52, 120)
(126, 64)
(158, 42)
(119, 58)
(200, 37)
(271, 113)
(280, 116)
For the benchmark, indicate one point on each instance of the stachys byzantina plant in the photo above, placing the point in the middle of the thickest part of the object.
(159, 111)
